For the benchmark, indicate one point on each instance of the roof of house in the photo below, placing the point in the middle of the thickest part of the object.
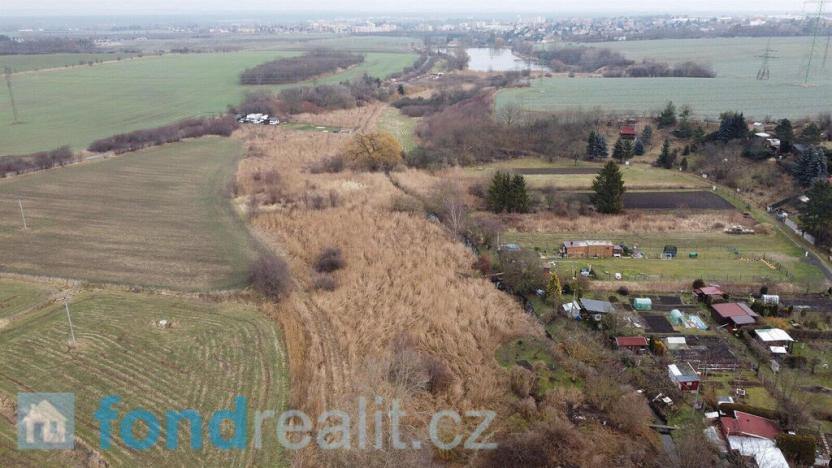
(734, 309)
(749, 425)
(587, 243)
(710, 291)
(628, 131)
(596, 307)
(631, 341)
(772, 334)
(683, 373)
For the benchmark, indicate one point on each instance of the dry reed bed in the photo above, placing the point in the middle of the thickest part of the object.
(404, 275)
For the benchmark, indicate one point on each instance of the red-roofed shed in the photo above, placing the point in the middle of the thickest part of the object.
(711, 294)
(749, 425)
(633, 343)
(627, 133)
(734, 313)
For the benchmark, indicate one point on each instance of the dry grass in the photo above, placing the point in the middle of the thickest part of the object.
(359, 118)
(404, 275)
(630, 223)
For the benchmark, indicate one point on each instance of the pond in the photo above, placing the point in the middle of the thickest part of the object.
(498, 60)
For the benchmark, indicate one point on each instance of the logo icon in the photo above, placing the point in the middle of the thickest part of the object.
(45, 421)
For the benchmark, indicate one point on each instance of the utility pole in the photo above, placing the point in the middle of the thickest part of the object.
(7, 71)
(764, 73)
(818, 17)
(826, 51)
(22, 215)
(69, 319)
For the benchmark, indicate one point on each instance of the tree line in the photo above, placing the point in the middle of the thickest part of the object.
(294, 69)
(36, 161)
(188, 128)
(50, 45)
(315, 99)
(613, 64)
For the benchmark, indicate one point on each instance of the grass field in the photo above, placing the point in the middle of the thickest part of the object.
(210, 354)
(400, 125)
(636, 176)
(23, 63)
(722, 257)
(78, 105)
(16, 297)
(735, 87)
(155, 217)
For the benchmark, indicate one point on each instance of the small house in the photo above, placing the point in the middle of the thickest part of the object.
(595, 309)
(755, 437)
(627, 133)
(711, 294)
(734, 314)
(775, 339)
(643, 304)
(572, 310)
(636, 344)
(684, 377)
(590, 249)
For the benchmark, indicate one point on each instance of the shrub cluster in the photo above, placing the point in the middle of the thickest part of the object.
(269, 275)
(36, 161)
(52, 45)
(189, 128)
(294, 69)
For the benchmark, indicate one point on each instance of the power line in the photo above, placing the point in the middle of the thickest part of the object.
(818, 17)
(8, 73)
(764, 73)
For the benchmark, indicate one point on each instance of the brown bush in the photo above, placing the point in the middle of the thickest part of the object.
(329, 260)
(406, 204)
(522, 381)
(269, 275)
(188, 128)
(440, 376)
(328, 165)
(325, 282)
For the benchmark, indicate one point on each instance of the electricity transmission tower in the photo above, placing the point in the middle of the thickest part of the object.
(8, 74)
(764, 73)
(818, 17)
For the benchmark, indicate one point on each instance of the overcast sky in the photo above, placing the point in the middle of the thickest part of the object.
(109, 7)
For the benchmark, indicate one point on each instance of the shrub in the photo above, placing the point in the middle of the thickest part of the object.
(800, 447)
(440, 376)
(407, 204)
(623, 291)
(327, 165)
(188, 128)
(329, 260)
(325, 282)
(269, 275)
(292, 69)
(698, 284)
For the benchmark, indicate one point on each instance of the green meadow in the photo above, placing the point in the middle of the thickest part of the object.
(77, 105)
(735, 87)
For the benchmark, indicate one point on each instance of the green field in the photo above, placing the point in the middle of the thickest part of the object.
(401, 126)
(154, 217)
(722, 257)
(78, 105)
(16, 297)
(637, 176)
(210, 354)
(735, 88)
(23, 63)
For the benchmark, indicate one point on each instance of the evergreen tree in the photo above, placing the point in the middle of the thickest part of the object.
(508, 194)
(810, 134)
(686, 151)
(665, 159)
(618, 150)
(647, 135)
(591, 144)
(601, 150)
(629, 151)
(785, 133)
(816, 214)
(685, 129)
(638, 149)
(684, 164)
(609, 189)
(668, 116)
(518, 195)
(813, 165)
(732, 126)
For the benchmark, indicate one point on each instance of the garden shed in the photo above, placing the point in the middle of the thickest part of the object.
(643, 303)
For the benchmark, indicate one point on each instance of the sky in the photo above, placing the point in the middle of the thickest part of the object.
(128, 7)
